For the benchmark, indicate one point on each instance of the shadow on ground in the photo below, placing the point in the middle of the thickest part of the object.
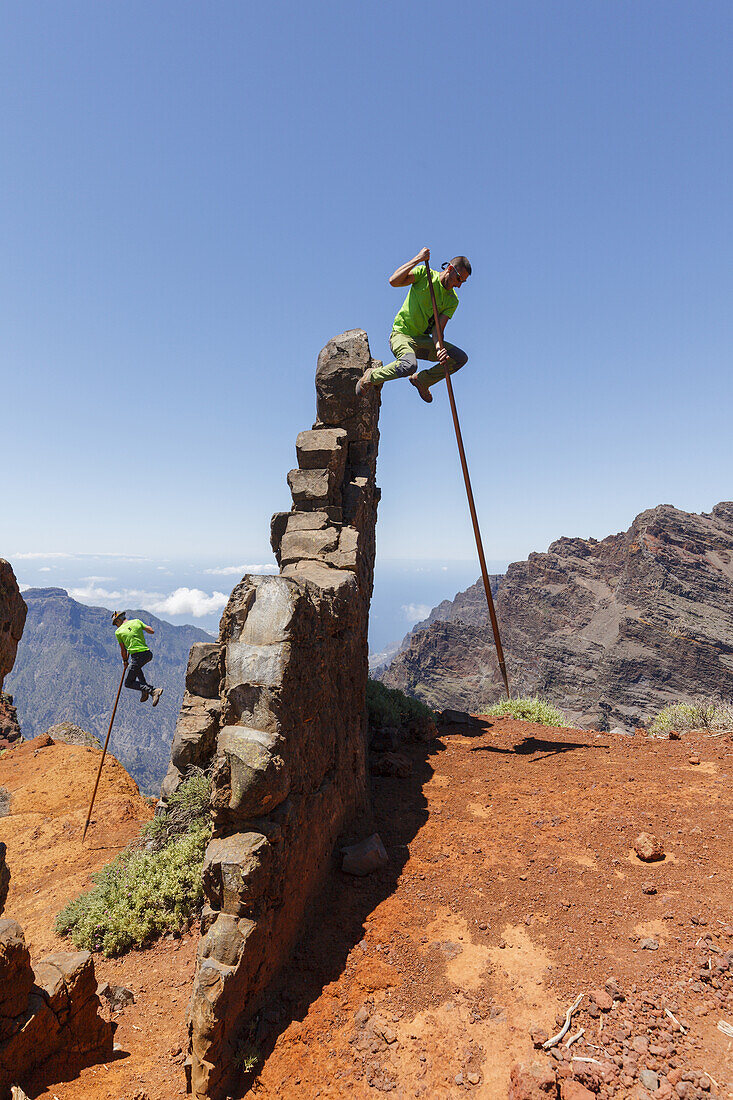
(336, 923)
(532, 745)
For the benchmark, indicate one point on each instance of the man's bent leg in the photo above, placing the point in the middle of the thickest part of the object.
(135, 678)
(434, 374)
(405, 362)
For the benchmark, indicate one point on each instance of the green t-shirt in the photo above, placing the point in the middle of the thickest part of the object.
(130, 634)
(416, 314)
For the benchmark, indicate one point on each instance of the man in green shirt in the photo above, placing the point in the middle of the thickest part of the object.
(130, 633)
(413, 332)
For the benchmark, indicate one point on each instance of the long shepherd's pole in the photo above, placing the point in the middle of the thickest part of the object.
(104, 753)
(469, 494)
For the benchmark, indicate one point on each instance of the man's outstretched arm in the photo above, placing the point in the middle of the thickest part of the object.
(403, 275)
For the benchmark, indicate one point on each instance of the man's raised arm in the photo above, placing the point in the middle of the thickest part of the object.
(403, 275)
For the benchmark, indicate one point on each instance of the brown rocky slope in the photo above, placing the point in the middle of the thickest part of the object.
(512, 886)
(610, 631)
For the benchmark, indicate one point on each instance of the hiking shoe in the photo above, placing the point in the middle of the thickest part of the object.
(422, 390)
(364, 382)
(157, 692)
(144, 695)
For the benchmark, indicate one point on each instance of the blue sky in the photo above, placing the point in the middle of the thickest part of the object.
(196, 196)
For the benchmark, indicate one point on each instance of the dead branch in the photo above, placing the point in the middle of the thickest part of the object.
(675, 1020)
(574, 1038)
(565, 1027)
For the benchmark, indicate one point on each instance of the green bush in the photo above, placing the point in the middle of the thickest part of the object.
(704, 714)
(147, 890)
(528, 709)
(391, 707)
(186, 806)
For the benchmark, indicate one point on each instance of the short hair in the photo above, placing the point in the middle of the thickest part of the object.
(463, 262)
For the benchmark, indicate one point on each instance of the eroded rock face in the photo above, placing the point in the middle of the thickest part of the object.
(4, 875)
(43, 1013)
(278, 705)
(12, 620)
(609, 631)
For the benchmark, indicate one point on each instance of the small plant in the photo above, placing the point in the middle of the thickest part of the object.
(151, 888)
(391, 707)
(247, 1058)
(703, 714)
(528, 709)
(247, 1055)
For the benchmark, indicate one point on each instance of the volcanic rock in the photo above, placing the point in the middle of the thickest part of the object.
(616, 629)
(69, 734)
(4, 875)
(12, 618)
(535, 1081)
(649, 848)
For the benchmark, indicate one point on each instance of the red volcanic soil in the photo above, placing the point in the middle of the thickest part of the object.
(512, 887)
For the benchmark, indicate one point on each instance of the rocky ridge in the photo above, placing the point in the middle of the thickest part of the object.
(610, 630)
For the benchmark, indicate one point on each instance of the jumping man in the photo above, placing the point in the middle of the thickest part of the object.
(129, 634)
(413, 332)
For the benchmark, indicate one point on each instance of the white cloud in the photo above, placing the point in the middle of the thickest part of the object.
(45, 569)
(184, 601)
(240, 570)
(190, 601)
(91, 592)
(414, 612)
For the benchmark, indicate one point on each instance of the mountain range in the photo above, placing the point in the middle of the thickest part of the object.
(610, 630)
(68, 668)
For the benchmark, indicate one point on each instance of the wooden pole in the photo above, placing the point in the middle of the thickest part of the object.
(104, 753)
(469, 494)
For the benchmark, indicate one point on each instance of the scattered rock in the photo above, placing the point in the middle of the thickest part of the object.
(614, 989)
(450, 717)
(118, 996)
(649, 848)
(694, 760)
(366, 856)
(675, 735)
(573, 1090)
(649, 1079)
(648, 888)
(538, 1036)
(603, 999)
(391, 763)
(649, 945)
(531, 1082)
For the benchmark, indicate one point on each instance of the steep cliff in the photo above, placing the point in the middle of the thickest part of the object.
(609, 630)
(12, 621)
(279, 704)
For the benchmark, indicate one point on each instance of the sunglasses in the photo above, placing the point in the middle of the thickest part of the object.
(456, 272)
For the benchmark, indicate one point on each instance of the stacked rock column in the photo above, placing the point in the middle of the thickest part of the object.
(289, 718)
